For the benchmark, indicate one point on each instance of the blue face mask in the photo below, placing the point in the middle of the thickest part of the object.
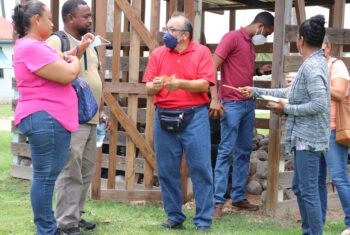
(170, 41)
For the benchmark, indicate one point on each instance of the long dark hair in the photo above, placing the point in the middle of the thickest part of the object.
(22, 14)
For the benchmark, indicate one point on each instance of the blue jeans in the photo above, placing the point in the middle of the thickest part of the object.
(194, 140)
(305, 187)
(49, 144)
(336, 160)
(235, 147)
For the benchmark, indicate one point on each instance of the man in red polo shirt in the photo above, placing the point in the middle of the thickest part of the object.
(179, 75)
(235, 54)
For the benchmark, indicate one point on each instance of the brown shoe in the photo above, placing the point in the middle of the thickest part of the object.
(245, 205)
(218, 211)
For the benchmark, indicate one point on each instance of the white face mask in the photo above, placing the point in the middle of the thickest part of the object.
(99, 41)
(258, 39)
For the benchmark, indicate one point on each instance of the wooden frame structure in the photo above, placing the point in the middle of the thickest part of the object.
(129, 146)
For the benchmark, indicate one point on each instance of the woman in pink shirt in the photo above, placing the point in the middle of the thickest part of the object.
(46, 110)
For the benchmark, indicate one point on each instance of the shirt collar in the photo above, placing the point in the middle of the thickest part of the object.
(74, 39)
(245, 34)
(190, 48)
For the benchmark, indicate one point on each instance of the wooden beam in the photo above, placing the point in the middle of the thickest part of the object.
(149, 132)
(338, 22)
(335, 35)
(134, 59)
(292, 63)
(282, 16)
(127, 124)
(138, 25)
(131, 195)
(96, 180)
(55, 9)
(232, 24)
(300, 11)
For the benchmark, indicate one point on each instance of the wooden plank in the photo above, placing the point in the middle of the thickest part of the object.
(338, 10)
(127, 124)
(124, 64)
(149, 131)
(131, 195)
(335, 35)
(282, 16)
(22, 172)
(125, 39)
(300, 11)
(292, 63)
(286, 178)
(121, 164)
(113, 141)
(138, 25)
(120, 185)
(134, 59)
(262, 123)
(290, 207)
(96, 179)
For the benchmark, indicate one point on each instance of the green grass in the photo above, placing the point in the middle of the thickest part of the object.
(5, 111)
(123, 218)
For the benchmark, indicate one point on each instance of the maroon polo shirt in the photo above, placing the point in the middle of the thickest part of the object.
(195, 62)
(238, 52)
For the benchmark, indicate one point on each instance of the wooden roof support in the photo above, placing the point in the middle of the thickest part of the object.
(338, 11)
(300, 11)
(55, 9)
(280, 47)
(232, 25)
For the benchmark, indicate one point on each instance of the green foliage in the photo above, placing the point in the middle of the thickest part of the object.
(125, 219)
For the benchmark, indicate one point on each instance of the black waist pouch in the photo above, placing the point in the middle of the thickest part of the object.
(175, 120)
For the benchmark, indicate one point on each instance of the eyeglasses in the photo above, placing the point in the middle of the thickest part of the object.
(172, 30)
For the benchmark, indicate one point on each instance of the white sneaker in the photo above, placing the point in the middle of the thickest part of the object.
(346, 232)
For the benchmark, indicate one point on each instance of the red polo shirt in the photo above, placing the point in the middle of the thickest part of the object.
(238, 52)
(193, 63)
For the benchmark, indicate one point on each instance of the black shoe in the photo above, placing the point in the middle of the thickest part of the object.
(86, 225)
(204, 229)
(69, 231)
(172, 224)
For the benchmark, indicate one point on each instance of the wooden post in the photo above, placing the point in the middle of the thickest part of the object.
(134, 65)
(338, 22)
(55, 9)
(100, 12)
(280, 48)
(300, 11)
(171, 8)
(232, 20)
(149, 171)
(113, 140)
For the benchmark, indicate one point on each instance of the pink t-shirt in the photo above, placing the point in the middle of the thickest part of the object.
(40, 94)
(337, 69)
(238, 52)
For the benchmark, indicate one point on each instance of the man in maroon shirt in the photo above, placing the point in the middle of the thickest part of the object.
(179, 75)
(235, 55)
